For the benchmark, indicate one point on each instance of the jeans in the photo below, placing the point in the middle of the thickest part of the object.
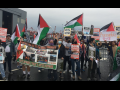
(2, 70)
(73, 66)
(8, 58)
(91, 72)
(54, 74)
(82, 61)
(67, 58)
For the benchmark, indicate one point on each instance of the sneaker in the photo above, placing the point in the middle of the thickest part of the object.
(24, 76)
(4, 79)
(39, 70)
(64, 71)
(28, 76)
(89, 79)
(79, 78)
(95, 79)
(73, 77)
(70, 71)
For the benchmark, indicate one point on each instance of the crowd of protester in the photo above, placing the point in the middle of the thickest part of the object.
(64, 52)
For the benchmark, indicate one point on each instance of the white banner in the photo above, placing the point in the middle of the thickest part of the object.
(108, 36)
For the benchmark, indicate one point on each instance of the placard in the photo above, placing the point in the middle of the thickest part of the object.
(3, 34)
(96, 34)
(91, 52)
(117, 29)
(75, 55)
(39, 56)
(67, 31)
(108, 36)
(86, 30)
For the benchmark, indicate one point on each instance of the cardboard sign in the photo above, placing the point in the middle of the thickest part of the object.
(67, 31)
(75, 55)
(96, 34)
(86, 30)
(108, 36)
(117, 29)
(3, 34)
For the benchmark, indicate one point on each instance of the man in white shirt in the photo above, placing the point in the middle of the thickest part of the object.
(67, 45)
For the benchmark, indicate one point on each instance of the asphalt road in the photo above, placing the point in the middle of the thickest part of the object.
(42, 76)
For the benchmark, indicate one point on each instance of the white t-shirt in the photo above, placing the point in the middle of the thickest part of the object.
(7, 49)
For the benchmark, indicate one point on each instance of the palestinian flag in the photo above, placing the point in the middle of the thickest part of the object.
(42, 29)
(75, 37)
(24, 29)
(77, 21)
(15, 35)
(107, 28)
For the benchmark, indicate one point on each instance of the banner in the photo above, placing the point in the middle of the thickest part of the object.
(38, 56)
(67, 31)
(96, 33)
(1, 57)
(117, 29)
(108, 36)
(3, 34)
(75, 55)
(86, 30)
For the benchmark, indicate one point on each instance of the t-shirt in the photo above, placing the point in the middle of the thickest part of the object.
(7, 49)
(67, 52)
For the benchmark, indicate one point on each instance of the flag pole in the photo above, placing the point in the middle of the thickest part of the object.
(82, 25)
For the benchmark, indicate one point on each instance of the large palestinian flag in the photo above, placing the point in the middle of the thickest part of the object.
(42, 29)
(24, 29)
(16, 34)
(108, 27)
(77, 21)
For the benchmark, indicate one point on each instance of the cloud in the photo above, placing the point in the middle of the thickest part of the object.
(58, 16)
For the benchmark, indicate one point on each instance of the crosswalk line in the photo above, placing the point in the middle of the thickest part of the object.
(14, 69)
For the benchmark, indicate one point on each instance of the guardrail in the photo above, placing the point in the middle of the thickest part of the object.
(104, 53)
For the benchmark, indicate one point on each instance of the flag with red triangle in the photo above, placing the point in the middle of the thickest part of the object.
(119, 44)
(77, 21)
(15, 35)
(19, 51)
(42, 29)
(108, 27)
(75, 37)
(24, 29)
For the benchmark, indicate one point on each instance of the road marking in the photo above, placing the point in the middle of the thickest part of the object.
(14, 69)
(1, 80)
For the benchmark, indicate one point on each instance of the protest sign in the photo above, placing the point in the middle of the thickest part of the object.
(39, 56)
(75, 55)
(1, 57)
(3, 34)
(86, 30)
(67, 31)
(117, 29)
(96, 33)
(108, 36)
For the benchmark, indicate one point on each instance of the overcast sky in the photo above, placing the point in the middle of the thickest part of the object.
(58, 16)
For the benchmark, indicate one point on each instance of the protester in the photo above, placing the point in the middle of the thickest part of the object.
(74, 41)
(112, 49)
(2, 50)
(10, 51)
(41, 44)
(23, 66)
(83, 54)
(67, 45)
(91, 61)
(51, 43)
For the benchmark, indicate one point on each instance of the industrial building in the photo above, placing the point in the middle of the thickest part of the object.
(10, 17)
